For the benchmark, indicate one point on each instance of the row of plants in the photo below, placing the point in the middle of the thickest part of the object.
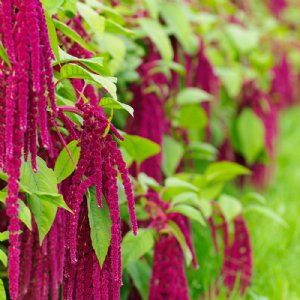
(130, 132)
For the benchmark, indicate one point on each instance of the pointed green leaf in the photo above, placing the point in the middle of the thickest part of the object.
(251, 134)
(189, 212)
(139, 148)
(133, 247)
(73, 35)
(2, 290)
(94, 20)
(100, 224)
(140, 273)
(64, 166)
(181, 240)
(230, 207)
(3, 258)
(4, 55)
(192, 95)
(224, 171)
(75, 71)
(172, 155)
(159, 37)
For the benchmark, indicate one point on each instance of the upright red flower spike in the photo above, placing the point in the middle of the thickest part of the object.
(168, 279)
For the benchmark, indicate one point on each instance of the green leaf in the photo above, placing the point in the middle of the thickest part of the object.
(4, 56)
(56, 199)
(96, 22)
(107, 102)
(3, 258)
(52, 36)
(152, 7)
(203, 151)
(224, 171)
(75, 71)
(95, 64)
(44, 181)
(52, 6)
(230, 207)
(73, 35)
(100, 224)
(133, 247)
(114, 27)
(267, 212)
(244, 40)
(24, 211)
(192, 95)
(253, 196)
(146, 181)
(192, 199)
(140, 273)
(3, 236)
(24, 214)
(232, 78)
(172, 155)
(189, 212)
(70, 7)
(192, 117)
(139, 148)
(181, 240)
(176, 18)
(2, 290)
(251, 134)
(64, 166)
(159, 37)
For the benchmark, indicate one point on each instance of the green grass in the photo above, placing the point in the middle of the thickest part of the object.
(277, 249)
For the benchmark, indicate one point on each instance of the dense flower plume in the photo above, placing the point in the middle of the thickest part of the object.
(168, 279)
(237, 254)
(27, 86)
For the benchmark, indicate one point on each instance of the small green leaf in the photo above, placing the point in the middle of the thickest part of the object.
(55, 199)
(75, 71)
(177, 20)
(172, 155)
(133, 247)
(3, 236)
(25, 214)
(140, 272)
(251, 134)
(73, 35)
(24, 211)
(70, 7)
(267, 212)
(3, 258)
(159, 37)
(224, 171)
(192, 95)
(230, 207)
(52, 6)
(244, 40)
(64, 166)
(139, 148)
(100, 224)
(44, 181)
(192, 117)
(107, 102)
(52, 36)
(189, 212)
(4, 56)
(181, 240)
(2, 290)
(253, 196)
(96, 22)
